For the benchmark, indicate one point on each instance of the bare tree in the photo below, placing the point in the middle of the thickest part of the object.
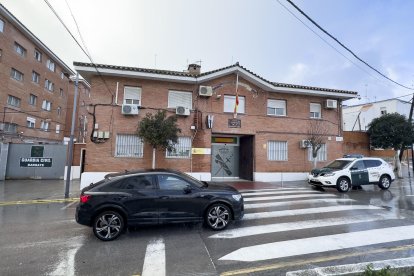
(317, 132)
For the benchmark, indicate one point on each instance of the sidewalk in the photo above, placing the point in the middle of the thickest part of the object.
(13, 190)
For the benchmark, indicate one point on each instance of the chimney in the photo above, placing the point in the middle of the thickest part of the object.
(194, 69)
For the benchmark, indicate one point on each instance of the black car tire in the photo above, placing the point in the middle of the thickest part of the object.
(384, 182)
(218, 216)
(343, 185)
(108, 225)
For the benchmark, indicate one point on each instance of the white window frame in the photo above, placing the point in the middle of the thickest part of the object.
(50, 64)
(315, 110)
(181, 150)
(277, 106)
(38, 55)
(322, 153)
(50, 86)
(19, 49)
(57, 128)
(47, 105)
(16, 74)
(13, 101)
(230, 101)
(1, 25)
(44, 125)
(129, 145)
(132, 95)
(277, 150)
(180, 98)
(35, 77)
(32, 99)
(30, 122)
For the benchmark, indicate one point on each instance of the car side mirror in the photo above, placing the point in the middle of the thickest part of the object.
(187, 189)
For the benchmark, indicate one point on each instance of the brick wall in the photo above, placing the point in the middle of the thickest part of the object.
(292, 128)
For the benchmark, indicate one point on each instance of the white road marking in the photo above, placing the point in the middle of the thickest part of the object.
(281, 189)
(281, 193)
(318, 210)
(353, 268)
(295, 202)
(297, 225)
(286, 197)
(320, 244)
(154, 262)
(66, 265)
(67, 206)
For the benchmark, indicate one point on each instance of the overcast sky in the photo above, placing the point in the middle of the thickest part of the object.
(261, 35)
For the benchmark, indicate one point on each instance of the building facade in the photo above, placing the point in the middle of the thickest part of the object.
(358, 117)
(263, 140)
(34, 86)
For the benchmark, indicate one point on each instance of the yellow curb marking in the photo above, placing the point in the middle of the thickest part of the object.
(37, 201)
(313, 260)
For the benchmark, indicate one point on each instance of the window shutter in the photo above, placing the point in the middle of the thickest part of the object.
(177, 98)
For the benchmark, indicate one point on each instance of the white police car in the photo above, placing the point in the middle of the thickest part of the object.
(344, 173)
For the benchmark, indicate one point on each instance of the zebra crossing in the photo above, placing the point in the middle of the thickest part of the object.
(304, 209)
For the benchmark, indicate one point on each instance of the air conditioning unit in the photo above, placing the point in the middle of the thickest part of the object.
(305, 144)
(183, 111)
(206, 91)
(331, 104)
(130, 109)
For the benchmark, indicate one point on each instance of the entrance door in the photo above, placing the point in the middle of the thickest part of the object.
(225, 161)
(246, 157)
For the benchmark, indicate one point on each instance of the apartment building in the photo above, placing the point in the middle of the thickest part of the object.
(264, 141)
(34, 86)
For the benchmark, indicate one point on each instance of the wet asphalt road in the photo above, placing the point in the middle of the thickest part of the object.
(44, 239)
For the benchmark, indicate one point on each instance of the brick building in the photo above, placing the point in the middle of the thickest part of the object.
(34, 86)
(265, 142)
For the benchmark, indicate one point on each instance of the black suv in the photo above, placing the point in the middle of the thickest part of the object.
(155, 197)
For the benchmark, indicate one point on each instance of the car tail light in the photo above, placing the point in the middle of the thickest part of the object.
(84, 198)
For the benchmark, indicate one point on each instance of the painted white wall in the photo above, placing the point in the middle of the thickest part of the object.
(74, 172)
(280, 176)
(371, 111)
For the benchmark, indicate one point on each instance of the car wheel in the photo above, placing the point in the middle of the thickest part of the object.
(385, 182)
(218, 216)
(108, 225)
(343, 185)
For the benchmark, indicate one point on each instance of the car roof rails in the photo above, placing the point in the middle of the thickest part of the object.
(353, 156)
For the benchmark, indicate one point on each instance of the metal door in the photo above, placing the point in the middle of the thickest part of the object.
(225, 161)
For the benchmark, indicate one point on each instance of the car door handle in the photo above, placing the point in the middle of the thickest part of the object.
(164, 197)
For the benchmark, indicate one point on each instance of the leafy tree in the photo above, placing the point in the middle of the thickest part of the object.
(391, 131)
(316, 136)
(159, 131)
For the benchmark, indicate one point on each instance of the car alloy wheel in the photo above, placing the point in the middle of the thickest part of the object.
(343, 185)
(218, 216)
(384, 182)
(108, 225)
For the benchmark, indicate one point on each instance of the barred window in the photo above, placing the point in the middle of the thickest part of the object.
(129, 145)
(277, 150)
(10, 127)
(182, 149)
(322, 153)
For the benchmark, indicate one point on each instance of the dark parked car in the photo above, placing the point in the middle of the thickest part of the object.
(155, 197)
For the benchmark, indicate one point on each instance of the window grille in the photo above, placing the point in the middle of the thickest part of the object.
(322, 153)
(182, 149)
(277, 150)
(129, 145)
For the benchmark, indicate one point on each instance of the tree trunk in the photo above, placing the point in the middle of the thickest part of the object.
(398, 165)
(153, 158)
(315, 162)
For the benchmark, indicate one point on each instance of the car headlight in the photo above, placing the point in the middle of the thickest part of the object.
(237, 197)
(329, 174)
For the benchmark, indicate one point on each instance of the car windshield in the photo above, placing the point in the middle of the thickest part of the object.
(338, 164)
